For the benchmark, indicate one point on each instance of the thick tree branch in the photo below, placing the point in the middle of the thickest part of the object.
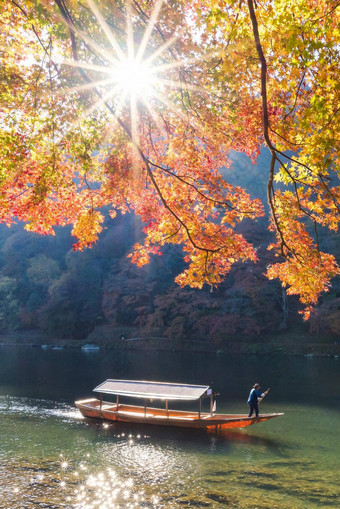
(272, 148)
(265, 123)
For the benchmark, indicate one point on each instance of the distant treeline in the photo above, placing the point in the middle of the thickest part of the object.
(47, 287)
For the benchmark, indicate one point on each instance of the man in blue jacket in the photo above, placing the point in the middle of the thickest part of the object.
(253, 399)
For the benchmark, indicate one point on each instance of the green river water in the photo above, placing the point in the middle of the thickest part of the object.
(50, 457)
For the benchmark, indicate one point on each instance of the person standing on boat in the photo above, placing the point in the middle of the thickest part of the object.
(254, 395)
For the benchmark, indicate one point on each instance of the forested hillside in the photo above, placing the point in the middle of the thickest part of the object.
(47, 287)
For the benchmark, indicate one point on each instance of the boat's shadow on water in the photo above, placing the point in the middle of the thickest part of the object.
(202, 438)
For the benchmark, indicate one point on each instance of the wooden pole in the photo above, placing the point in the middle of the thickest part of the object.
(144, 408)
(265, 394)
(211, 403)
(200, 408)
(117, 401)
(167, 407)
(101, 401)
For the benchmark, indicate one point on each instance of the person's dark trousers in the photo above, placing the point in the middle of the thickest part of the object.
(252, 408)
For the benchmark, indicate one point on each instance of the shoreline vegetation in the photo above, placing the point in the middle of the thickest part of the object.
(291, 344)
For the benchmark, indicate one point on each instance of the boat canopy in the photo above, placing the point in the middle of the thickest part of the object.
(152, 390)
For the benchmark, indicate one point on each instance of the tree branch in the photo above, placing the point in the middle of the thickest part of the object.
(265, 124)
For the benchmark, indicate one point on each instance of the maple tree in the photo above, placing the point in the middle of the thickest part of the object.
(137, 105)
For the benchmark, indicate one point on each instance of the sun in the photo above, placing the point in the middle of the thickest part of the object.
(130, 73)
(133, 78)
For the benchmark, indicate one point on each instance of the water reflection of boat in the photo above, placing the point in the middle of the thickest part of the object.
(160, 391)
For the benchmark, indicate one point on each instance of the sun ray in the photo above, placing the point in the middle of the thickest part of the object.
(182, 62)
(107, 30)
(107, 130)
(151, 23)
(115, 120)
(86, 86)
(158, 95)
(196, 125)
(133, 115)
(131, 61)
(104, 53)
(85, 65)
(121, 98)
(129, 31)
(135, 137)
(154, 117)
(163, 47)
(101, 101)
(179, 85)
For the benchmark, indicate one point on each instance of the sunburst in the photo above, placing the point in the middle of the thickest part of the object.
(132, 75)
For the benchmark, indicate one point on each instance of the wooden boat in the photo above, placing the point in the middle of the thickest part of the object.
(160, 391)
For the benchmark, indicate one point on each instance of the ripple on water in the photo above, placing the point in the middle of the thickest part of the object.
(39, 408)
(167, 470)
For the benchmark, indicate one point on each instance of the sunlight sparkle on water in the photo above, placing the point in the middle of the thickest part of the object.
(106, 490)
(103, 489)
(64, 462)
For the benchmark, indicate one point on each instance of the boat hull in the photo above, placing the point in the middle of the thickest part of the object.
(107, 411)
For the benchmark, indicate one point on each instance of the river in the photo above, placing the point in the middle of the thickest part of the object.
(50, 457)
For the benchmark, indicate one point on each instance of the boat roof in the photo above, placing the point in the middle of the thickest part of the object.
(153, 390)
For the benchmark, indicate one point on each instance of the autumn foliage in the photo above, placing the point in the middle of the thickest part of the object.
(225, 76)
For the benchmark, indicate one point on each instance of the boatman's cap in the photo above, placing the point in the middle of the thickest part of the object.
(256, 385)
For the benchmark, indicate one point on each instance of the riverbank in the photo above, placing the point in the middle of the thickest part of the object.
(291, 344)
